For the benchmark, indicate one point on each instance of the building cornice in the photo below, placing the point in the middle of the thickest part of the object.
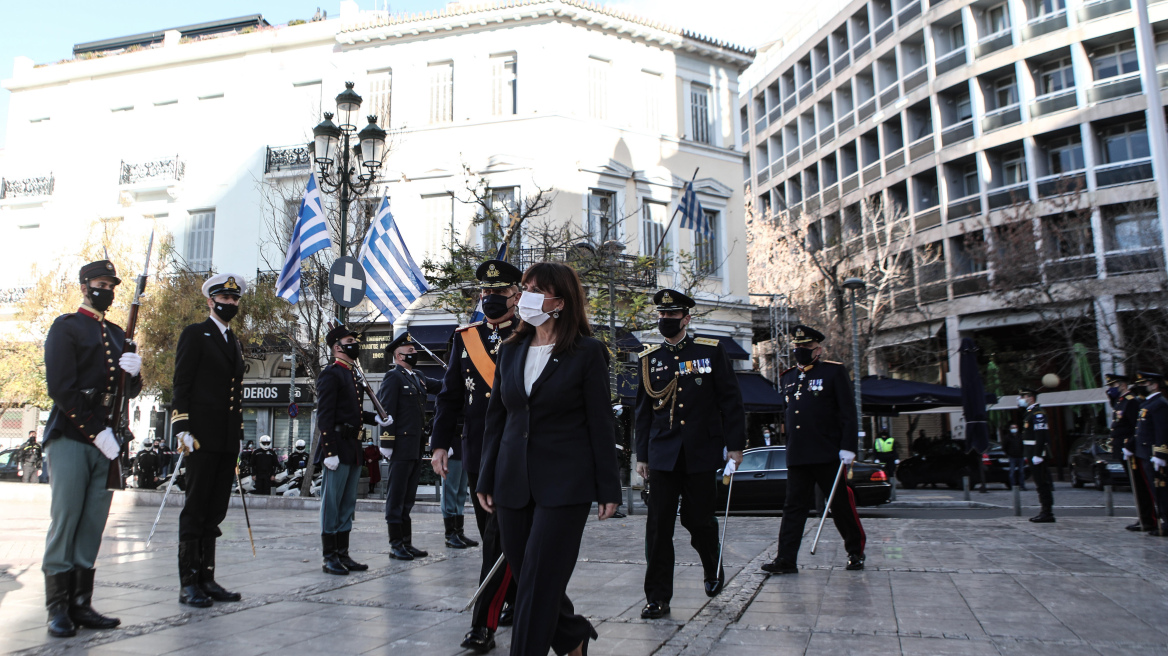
(371, 28)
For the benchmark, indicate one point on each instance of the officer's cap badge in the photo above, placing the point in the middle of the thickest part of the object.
(231, 284)
(666, 299)
(492, 272)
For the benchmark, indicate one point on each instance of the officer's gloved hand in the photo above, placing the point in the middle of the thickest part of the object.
(332, 462)
(848, 457)
(1127, 454)
(1159, 462)
(107, 443)
(187, 443)
(388, 453)
(388, 421)
(1036, 460)
(130, 363)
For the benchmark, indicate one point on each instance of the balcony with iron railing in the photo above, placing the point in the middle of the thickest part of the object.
(928, 217)
(908, 12)
(298, 158)
(171, 169)
(1116, 87)
(889, 95)
(964, 207)
(916, 78)
(958, 132)
(885, 29)
(1007, 195)
(1070, 268)
(1045, 24)
(992, 43)
(850, 183)
(1001, 117)
(863, 44)
(26, 187)
(842, 62)
(1100, 8)
(1121, 173)
(894, 161)
(950, 60)
(1137, 260)
(1060, 184)
(1056, 101)
(921, 147)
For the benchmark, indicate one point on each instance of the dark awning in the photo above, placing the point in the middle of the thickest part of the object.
(433, 337)
(880, 395)
(758, 395)
(733, 350)
(625, 341)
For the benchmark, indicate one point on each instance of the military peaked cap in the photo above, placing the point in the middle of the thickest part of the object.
(669, 300)
(229, 284)
(497, 273)
(404, 339)
(1115, 378)
(99, 269)
(802, 334)
(337, 334)
(1146, 376)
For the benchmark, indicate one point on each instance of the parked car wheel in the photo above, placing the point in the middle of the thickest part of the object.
(1075, 482)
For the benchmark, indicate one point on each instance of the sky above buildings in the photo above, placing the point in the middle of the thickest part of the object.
(46, 32)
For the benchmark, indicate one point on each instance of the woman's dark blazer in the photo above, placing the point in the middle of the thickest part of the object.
(555, 446)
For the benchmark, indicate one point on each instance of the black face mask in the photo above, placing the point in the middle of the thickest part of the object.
(101, 299)
(803, 355)
(226, 311)
(669, 328)
(495, 306)
(351, 350)
(410, 358)
(1139, 390)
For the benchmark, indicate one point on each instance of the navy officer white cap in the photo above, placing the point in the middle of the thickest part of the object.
(225, 283)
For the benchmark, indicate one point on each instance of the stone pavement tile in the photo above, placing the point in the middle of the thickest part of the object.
(867, 622)
(659, 630)
(340, 641)
(1132, 650)
(1116, 628)
(946, 647)
(1031, 647)
(783, 642)
(225, 646)
(830, 644)
(779, 620)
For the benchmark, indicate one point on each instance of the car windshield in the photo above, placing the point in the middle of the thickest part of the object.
(5, 457)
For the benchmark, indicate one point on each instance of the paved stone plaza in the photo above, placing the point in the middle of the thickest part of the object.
(932, 586)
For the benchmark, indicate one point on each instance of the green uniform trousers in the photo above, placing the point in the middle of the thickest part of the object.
(79, 507)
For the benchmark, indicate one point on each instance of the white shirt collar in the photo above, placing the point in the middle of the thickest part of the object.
(222, 326)
(1153, 395)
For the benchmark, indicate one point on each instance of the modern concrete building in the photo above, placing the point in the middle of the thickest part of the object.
(957, 113)
(189, 130)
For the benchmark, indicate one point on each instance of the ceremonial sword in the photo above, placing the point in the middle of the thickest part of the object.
(174, 475)
(727, 478)
(244, 502)
(1131, 476)
(490, 575)
(827, 507)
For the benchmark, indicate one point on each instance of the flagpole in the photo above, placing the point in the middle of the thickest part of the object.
(671, 218)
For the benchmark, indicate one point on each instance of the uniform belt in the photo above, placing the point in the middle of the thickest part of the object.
(1029, 442)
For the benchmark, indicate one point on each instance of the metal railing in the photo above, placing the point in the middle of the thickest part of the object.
(950, 61)
(1120, 173)
(1045, 24)
(1055, 101)
(993, 42)
(1119, 86)
(957, 132)
(1100, 8)
(171, 168)
(1001, 117)
(26, 187)
(1008, 195)
(290, 158)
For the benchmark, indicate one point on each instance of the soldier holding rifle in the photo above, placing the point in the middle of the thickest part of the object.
(84, 355)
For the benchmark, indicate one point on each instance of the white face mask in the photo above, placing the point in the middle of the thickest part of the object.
(1022, 403)
(531, 308)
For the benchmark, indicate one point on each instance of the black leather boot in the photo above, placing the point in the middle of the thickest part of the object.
(207, 574)
(189, 565)
(480, 639)
(397, 549)
(332, 559)
(460, 522)
(408, 540)
(57, 603)
(80, 598)
(452, 540)
(343, 554)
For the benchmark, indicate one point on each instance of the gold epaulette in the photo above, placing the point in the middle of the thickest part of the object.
(706, 341)
(1160, 449)
(648, 350)
(468, 327)
(176, 416)
(832, 362)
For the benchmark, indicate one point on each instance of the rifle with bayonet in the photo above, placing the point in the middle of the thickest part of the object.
(117, 419)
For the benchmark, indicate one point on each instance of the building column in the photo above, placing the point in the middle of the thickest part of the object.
(953, 376)
(1157, 128)
(1109, 335)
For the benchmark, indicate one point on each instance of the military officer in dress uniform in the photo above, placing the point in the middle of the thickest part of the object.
(83, 357)
(1125, 410)
(403, 395)
(466, 391)
(1151, 445)
(1035, 448)
(265, 463)
(208, 422)
(689, 409)
(820, 419)
(340, 413)
(146, 466)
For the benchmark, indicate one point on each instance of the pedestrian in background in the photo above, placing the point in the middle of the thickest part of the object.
(30, 458)
(1012, 445)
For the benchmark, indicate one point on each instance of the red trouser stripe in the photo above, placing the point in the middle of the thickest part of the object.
(498, 599)
(852, 504)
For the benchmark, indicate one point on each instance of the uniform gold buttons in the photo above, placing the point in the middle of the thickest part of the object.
(488, 395)
(681, 405)
(682, 422)
(798, 427)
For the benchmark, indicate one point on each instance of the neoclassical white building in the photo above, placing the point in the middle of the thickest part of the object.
(185, 129)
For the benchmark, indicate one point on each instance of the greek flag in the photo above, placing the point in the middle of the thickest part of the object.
(309, 235)
(395, 281)
(692, 215)
(478, 311)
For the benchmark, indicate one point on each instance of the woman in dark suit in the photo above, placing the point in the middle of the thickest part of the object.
(547, 455)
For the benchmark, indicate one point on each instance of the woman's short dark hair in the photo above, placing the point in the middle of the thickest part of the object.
(560, 280)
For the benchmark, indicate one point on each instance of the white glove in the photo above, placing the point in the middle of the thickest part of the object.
(388, 453)
(731, 467)
(187, 442)
(1036, 460)
(1127, 454)
(388, 421)
(107, 443)
(332, 462)
(1159, 462)
(130, 363)
(848, 457)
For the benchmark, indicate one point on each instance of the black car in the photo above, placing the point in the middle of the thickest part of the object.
(945, 462)
(997, 467)
(760, 483)
(10, 464)
(1092, 462)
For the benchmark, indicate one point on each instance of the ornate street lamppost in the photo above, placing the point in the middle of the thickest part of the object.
(856, 285)
(346, 170)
